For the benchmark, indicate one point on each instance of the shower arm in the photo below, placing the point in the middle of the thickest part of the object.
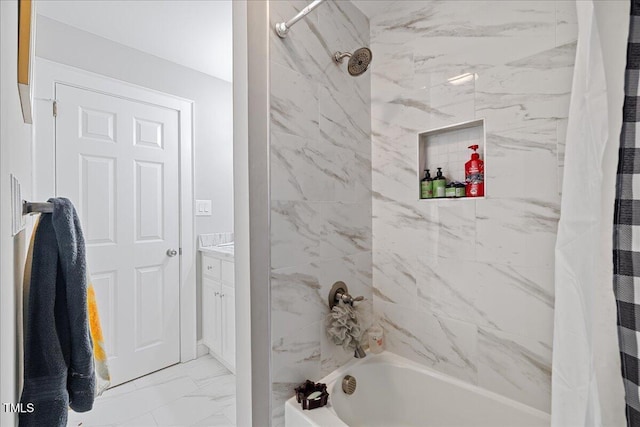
(282, 28)
(339, 56)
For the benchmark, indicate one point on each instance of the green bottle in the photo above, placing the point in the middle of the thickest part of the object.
(439, 184)
(426, 186)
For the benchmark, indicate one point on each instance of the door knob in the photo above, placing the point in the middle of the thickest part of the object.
(172, 252)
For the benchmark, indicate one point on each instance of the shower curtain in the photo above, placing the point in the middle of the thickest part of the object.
(626, 242)
(586, 383)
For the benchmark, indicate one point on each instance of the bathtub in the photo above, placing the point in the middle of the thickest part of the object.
(393, 391)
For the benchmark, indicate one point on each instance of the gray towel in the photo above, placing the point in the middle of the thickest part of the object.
(58, 356)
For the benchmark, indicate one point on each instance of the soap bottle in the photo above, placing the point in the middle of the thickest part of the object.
(439, 183)
(474, 174)
(426, 186)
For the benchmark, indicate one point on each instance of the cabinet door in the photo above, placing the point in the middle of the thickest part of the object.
(206, 308)
(211, 315)
(229, 326)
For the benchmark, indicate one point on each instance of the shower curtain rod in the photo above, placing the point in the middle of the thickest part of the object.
(282, 28)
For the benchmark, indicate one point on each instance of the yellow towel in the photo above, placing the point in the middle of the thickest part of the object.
(103, 378)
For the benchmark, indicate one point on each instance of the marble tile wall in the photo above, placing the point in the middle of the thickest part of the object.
(320, 188)
(466, 286)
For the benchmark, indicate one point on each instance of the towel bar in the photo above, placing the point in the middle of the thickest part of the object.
(36, 207)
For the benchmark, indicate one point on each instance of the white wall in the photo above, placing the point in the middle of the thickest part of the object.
(212, 97)
(15, 158)
(190, 28)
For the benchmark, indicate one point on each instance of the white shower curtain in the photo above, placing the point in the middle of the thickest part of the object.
(586, 382)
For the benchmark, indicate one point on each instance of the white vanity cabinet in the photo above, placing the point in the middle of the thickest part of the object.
(219, 307)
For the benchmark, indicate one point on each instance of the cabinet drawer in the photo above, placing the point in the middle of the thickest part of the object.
(211, 267)
(227, 272)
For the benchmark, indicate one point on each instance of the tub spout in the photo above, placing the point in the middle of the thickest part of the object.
(359, 353)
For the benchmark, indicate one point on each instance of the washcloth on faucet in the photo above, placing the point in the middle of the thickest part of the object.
(58, 358)
(343, 327)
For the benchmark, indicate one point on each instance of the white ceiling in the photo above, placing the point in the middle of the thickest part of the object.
(196, 34)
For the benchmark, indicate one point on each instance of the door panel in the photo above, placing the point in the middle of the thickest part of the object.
(117, 161)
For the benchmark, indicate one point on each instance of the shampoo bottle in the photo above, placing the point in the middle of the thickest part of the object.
(426, 186)
(439, 183)
(474, 174)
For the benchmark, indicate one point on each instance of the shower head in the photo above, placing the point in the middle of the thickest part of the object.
(358, 61)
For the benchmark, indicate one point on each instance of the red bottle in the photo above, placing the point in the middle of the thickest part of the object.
(474, 174)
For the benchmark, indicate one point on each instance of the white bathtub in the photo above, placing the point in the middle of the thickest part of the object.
(393, 391)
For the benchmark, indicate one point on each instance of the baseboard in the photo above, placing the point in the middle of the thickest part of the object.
(201, 349)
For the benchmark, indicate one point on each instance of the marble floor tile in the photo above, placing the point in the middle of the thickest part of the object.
(145, 420)
(183, 394)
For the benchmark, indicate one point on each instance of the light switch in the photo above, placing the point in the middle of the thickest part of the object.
(203, 207)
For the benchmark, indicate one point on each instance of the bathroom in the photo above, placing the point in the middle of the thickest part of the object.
(503, 301)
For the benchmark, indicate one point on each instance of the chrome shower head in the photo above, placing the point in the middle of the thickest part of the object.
(358, 61)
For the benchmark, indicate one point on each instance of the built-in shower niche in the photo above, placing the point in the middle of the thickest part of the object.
(447, 148)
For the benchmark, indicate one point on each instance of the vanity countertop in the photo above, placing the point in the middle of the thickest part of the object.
(220, 251)
(219, 245)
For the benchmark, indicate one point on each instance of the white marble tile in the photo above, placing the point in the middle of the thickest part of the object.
(561, 129)
(302, 232)
(394, 278)
(343, 28)
(145, 420)
(347, 229)
(297, 299)
(294, 103)
(162, 376)
(135, 403)
(467, 19)
(296, 233)
(205, 370)
(230, 411)
(303, 169)
(454, 232)
(221, 390)
(438, 59)
(344, 121)
(280, 393)
(454, 101)
(516, 231)
(393, 165)
(118, 390)
(443, 344)
(199, 404)
(514, 366)
(566, 21)
(303, 49)
(511, 299)
(392, 70)
(361, 177)
(503, 111)
(523, 163)
(401, 227)
(296, 357)
(216, 420)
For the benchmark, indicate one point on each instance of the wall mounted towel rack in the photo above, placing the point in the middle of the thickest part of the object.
(29, 208)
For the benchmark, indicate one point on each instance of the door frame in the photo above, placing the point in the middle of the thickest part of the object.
(49, 74)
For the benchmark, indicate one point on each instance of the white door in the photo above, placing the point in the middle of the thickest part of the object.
(117, 161)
